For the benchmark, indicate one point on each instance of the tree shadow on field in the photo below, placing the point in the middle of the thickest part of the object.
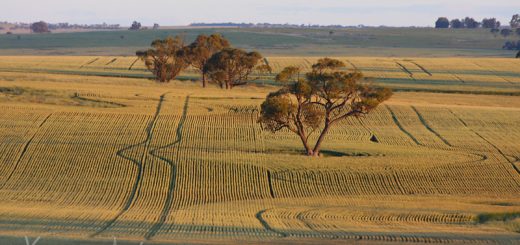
(327, 153)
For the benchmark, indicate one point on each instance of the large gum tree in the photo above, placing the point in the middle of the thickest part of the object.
(318, 101)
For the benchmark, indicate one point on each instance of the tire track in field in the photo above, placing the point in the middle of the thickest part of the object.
(265, 224)
(423, 121)
(269, 180)
(24, 150)
(111, 61)
(422, 68)
(89, 63)
(405, 70)
(76, 96)
(490, 143)
(495, 73)
(400, 126)
(133, 63)
(169, 198)
(354, 66)
(134, 194)
(482, 157)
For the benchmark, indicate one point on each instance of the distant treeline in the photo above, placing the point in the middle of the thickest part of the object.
(471, 23)
(267, 25)
(57, 26)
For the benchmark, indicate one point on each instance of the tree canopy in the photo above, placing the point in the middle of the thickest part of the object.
(135, 26)
(325, 96)
(233, 67)
(202, 49)
(515, 21)
(471, 23)
(442, 22)
(456, 24)
(288, 74)
(40, 27)
(490, 23)
(166, 59)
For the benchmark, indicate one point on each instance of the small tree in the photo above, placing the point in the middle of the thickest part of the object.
(156, 26)
(135, 26)
(40, 27)
(442, 22)
(456, 24)
(202, 49)
(326, 96)
(233, 67)
(166, 59)
(515, 21)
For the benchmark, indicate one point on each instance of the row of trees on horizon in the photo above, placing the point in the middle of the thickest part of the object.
(442, 22)
(471, 23)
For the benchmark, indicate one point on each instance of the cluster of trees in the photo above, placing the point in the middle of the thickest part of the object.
(212, 56)
(135, 26)
(306, 104)
(468, 22)
(491, 23)
(317, 101)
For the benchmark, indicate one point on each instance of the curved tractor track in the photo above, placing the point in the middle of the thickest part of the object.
(507, 157)
(134, 194)
(169, 199)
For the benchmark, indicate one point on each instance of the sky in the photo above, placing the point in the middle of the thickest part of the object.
(323, 12)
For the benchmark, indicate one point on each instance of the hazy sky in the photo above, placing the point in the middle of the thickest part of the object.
(182, 12)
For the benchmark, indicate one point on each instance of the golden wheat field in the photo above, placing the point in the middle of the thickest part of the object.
(91, 150)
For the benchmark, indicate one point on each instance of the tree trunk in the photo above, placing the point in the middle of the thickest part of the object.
(204, 79)
(305, 144)
(317, 147)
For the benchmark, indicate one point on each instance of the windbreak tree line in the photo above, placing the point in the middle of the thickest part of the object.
(212, 56)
